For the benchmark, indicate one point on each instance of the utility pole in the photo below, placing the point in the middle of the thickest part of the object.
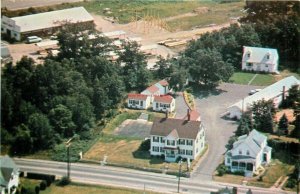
(68, 144)
(179, 174)
(298, 182)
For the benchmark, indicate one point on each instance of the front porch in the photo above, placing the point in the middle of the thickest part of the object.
(247, 167)
(171, 154)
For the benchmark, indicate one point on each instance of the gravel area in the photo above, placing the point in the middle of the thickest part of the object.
(134, 128)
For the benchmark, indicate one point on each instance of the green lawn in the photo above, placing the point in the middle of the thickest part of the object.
(259, 80)
(77, 188)
(241, 78)
(272, 174)
(263, 80)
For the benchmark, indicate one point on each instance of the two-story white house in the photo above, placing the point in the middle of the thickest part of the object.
(249, 152)
(260, 59)
(164, 103)
(163, 86)
(9, 175)
(174, 138)
(138, 101)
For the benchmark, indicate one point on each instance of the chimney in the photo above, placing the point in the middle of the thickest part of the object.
(188, 114)
(283, 93)
(167, 114)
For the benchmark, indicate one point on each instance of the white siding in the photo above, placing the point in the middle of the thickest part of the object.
(142, 104)
(158, 106)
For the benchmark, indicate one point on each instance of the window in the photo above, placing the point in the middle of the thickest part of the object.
(182, 152)
(142, 102)
(228, 160)
(189, 152)
(156, 105)
(162, 140)
(234, 164)
(268, 56)
(155, 139)
(240, 152)
(197, 150)
(161, 149)
(248, 153)
(155, 149)
(164, 105)
(248, 54)
(266, 66)
(134, 102)
(249, 64)
(189, 142)
(181, 142)
(171, 142)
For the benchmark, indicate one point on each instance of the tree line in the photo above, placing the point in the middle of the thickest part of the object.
(45, 103)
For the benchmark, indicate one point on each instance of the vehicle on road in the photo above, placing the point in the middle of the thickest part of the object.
(254, 91)
(33, 39)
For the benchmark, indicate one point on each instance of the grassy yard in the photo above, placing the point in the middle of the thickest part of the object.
(259, 80)
(125, 152)
(217, 14)
(272, 174)
(76, 188)
(229, 178)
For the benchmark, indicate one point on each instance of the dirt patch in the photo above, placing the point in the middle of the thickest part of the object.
(201, 10)
(134, 128)
(181, 16)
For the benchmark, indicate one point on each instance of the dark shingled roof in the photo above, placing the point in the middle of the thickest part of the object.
(184, 128)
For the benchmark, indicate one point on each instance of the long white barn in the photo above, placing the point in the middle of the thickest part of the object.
(273, 92)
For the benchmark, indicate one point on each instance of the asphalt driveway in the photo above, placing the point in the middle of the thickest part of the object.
(218, 130)
(181, 107)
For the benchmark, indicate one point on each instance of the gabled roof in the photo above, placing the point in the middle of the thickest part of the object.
(152, 89)
(253, 141)
(7, 167)
(52, 19)
(137, 96)
(173, 134)
(163, 82)
(268, 93)
(259, 55)
(164, 99)
(184, 128)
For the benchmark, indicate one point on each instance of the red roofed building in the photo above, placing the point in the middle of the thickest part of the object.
(163, 86)
(192, 115)
(164, 103)
(151, 91)
(138, 101)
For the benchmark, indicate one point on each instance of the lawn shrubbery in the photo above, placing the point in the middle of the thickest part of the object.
(222, 169)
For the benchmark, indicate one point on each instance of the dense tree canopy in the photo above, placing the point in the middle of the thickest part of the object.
(65, 95)
(263, 112)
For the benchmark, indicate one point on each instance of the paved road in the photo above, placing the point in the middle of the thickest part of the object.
(218, 130)
(181, 107)
(94, 174)
(23, 4)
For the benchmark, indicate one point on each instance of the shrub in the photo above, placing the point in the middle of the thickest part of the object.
(23, 190)
(37, 190)
(64, 181)
(291, 183)
(145, 145)
(222, 169)
(43, 185)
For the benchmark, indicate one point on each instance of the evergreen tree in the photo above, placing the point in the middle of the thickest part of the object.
(283, 125)
(245, 125)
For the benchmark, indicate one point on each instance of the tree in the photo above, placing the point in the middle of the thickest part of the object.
(296, 132)
(293, 97)
(263, 115)
(61, 119)
(162, 68)
(40, 131)
(208, 68)
(283, 125)
(23, 142)
(135, 73)
(245, 124)
(231, 140)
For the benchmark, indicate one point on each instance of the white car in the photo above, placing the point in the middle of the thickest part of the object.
(254, 91)
(33, 39)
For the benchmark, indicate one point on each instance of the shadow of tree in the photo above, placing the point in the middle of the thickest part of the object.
(201, 91)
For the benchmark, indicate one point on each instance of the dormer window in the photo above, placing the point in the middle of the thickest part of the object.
(268, 55)
(248, 153)
(248, 54)
(240, 152)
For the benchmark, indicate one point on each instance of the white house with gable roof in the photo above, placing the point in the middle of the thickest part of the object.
(260, 59)
(174, 138)
(249, 152)
(9, 175)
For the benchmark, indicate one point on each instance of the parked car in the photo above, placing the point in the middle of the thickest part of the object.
(53, 37)
(254, 91)
(33, 39)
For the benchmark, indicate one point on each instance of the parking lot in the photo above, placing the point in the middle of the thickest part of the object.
(218, 130)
